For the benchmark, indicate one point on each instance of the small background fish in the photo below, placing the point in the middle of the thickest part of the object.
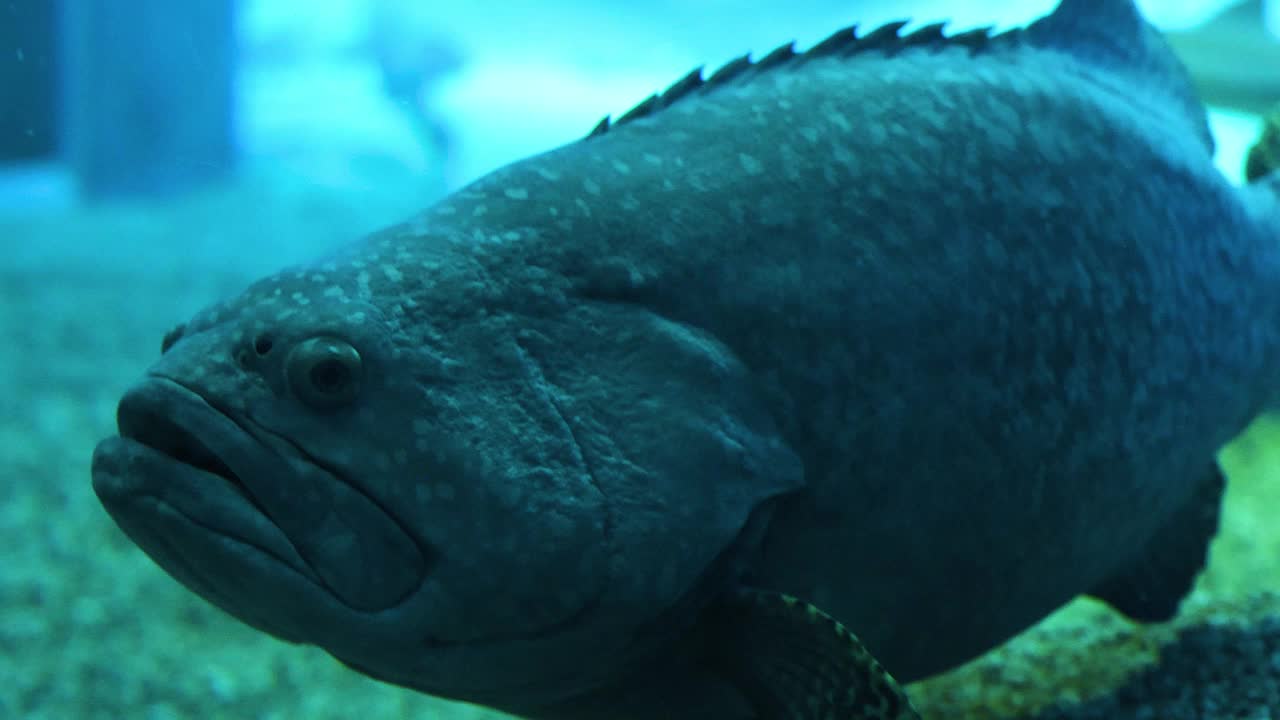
(90, 629)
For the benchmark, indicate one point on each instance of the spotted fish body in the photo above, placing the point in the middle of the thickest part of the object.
(931, 334)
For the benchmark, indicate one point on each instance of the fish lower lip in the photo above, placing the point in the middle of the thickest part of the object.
(176, 444)
(206, 534)
(127, 472)
(178, 437)
(169, 445)
(155, 428)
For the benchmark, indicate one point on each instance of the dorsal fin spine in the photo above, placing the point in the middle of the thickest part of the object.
(779, 55)
(885, 37)
(683, 86)
(1110, 33)
(927, 35)
(730, 70)
(834, 43)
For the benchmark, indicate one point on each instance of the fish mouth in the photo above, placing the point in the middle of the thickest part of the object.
(154, 430)
(187, 476)
(173, 480)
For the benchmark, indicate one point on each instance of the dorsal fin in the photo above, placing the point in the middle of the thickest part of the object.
(843, 43)
(1109, 34)
(1113, 35)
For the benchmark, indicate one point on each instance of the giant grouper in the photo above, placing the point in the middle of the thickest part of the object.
(823, 367)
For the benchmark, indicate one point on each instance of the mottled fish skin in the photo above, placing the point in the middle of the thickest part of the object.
(931, 334)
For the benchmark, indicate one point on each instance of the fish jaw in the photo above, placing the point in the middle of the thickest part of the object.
(200, 528)
(180, 481)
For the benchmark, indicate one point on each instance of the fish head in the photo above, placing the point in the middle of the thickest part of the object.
(393, 474)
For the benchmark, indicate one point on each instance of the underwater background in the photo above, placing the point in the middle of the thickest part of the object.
(157, 155)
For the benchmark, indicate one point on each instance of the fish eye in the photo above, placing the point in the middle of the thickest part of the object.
(324, 372)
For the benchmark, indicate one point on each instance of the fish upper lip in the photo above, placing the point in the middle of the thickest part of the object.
(207, 440)
(162, 434)
(158, 431)
(226, 441)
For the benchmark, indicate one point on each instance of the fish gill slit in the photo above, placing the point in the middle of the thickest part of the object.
(534, 369)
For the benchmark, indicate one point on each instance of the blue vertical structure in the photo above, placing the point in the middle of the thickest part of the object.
(148, 94)
(27, 80)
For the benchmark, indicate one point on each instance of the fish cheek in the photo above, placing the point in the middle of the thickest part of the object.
(519, 526)
(478, 475)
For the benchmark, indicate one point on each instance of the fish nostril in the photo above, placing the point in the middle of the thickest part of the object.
(263, 344)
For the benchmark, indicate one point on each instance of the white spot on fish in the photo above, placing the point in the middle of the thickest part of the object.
(479, 211)
(446, 210)
(516, 193)
(621, 167)
(591, 186)
(357, 317)
(393, 273)
(750, 164)
(548, 174)
(653, 159)
(334, 291)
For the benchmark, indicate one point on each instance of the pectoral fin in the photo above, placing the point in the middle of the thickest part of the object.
(794, 662)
